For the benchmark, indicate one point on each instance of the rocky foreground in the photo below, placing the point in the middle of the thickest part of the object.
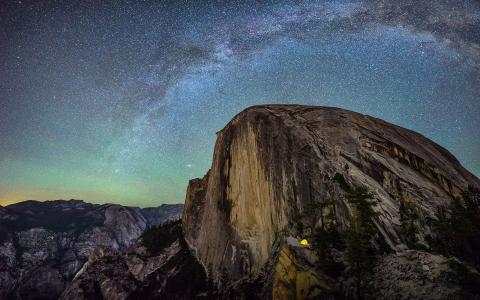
(307, 202)
(44, 244)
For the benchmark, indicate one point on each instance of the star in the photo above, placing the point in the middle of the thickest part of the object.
(138, 90)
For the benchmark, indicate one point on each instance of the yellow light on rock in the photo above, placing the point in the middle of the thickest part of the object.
(304, 242)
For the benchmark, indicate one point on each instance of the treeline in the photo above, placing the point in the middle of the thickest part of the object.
(157, 238)
(455, 233)
(455, 230)
(357, 242)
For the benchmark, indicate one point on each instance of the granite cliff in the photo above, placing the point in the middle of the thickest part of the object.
(274, 168)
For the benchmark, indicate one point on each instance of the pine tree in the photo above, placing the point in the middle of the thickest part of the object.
(458, 227)
(325, 237)
(359, 235)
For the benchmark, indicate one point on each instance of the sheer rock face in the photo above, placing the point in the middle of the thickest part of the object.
(271, 162)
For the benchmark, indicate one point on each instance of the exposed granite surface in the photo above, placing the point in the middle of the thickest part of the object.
(271, 163)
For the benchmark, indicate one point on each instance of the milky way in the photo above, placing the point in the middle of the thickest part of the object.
(119, 101)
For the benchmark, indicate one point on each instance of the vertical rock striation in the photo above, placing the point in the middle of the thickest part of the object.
(271, 163)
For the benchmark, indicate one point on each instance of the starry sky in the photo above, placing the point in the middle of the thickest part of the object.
(119, 101)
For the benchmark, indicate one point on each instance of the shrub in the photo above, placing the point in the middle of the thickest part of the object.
(340, 179)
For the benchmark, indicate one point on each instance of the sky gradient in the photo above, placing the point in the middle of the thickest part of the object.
(119, 101)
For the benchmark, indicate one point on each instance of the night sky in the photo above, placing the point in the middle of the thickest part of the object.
(120, 101)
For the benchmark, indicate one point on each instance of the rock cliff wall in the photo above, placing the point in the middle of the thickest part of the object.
(272, 163)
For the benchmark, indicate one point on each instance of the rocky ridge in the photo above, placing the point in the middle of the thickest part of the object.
(160, 266)
(44, 244)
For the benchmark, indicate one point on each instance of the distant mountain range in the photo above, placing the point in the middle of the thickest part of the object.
(44, 244)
